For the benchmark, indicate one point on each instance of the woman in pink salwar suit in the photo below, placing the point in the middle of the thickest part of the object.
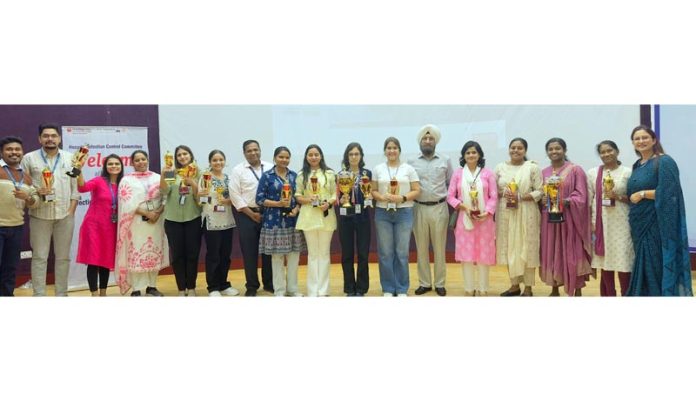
(474, 232)
(566, 247)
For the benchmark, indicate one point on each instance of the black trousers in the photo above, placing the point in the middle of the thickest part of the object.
(92, 273)
(184, 246)
(249, 232)
(217, 258)
(354, 235)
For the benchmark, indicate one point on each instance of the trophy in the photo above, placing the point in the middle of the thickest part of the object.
(286, 195)
(314, 181)
(393, 189)
(345, 185)
(206, 184)
(608, 186)
(473, 194)
(47, 177)
(78, 160)
(366, 189)
(220, 197)
(554, 204)
(169, 176)
(512, 188)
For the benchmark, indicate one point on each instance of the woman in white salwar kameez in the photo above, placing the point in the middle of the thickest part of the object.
(612, 250)
(517, 226)
(141, 249)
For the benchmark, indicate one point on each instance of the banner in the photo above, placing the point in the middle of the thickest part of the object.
(102, 141)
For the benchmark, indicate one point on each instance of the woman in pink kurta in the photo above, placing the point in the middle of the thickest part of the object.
(473, 192)
(97, 246)
(565, 247)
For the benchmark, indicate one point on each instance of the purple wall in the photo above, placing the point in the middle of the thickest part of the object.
(23, 121)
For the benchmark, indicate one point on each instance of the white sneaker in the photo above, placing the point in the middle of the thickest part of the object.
(388, 294)
(230, 292)
(182, 293)
(401, 295)
(191, 293)
(214, 294)
(296, 294)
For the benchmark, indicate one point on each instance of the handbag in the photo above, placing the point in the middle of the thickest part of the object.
(453, 219)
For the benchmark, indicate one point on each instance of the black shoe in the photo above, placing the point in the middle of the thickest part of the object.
(250, 292)
(351, 294)
(441, 291)
(359, 294)
(509, 293)
(135, 294)
(153, 291)
(422, 290)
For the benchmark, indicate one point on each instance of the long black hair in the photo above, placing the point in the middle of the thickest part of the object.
(306, 167)
(346, 162)
(522, 141)
(561, 142)
(106, 174)
(472, 144)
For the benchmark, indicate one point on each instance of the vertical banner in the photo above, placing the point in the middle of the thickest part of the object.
(102, 141)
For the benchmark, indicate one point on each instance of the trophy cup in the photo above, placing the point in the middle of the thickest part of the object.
(314, 181)
(220, 197)
(169, 176)
(554, 204)
(78, 160)
(512, 188)
(473, 194)
(393, 189)
(608, 186)
(47, 177)
(206, 184)
(366, 189)
(285, 195)
(345, 185)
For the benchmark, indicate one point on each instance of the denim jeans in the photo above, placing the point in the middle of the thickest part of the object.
(393, 239)
(10, 246)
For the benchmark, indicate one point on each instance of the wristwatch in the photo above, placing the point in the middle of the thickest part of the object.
(404, 198)
(642, 194)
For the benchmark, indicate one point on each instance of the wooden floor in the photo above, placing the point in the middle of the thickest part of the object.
(499, 282)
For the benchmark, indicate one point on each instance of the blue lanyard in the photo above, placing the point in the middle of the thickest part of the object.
(53, 170)
(21, 177)
(113, 194)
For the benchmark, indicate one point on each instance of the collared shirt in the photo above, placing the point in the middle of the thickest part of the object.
(434, 174)
(11, 208)
(244, 182)
(64, 186)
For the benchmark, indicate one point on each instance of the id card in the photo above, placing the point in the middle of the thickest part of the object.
(368, 202)
(219, 208)
(358, 209)
(114, 218)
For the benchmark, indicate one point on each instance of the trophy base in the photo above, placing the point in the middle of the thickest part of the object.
(204, 200)
(367, 203)
(74, 172)
(556, 218)
(391, 207)
(49, 198)
(608, 202)
(511, 205)
(285, 212)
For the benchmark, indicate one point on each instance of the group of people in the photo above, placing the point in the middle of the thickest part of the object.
(560, 220)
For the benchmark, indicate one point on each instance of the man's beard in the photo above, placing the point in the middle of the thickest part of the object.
(427, 151)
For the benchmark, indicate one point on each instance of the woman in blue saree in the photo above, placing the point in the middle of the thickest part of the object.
(658, 221)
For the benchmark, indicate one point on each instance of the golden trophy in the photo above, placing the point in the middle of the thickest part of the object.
(78, 160)
(608, 186)
(286, 195)
(345, 185)
(169, 176)
(314, 182)
(206, 185)
(512, 188)
(554, 203)
(47, 178)
(220, 197)
(393, 189)
(473, 194)
(366, 189)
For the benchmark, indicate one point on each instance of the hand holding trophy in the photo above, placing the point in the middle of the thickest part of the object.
(78, 160)
(393, 190)
(554, 205)
(314, 187)
(473, 194)
(345, 185)
(169, 172)
(219, 207)
(206, 185)
(47, 178)
(285, 197)
(512, 188)
(608, 199)
(366, 189)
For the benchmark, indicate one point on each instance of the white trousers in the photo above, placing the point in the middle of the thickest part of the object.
(318, 261)
(141, 280)
(468, 272)
(40, 233)
(281, 285)
(527, 279)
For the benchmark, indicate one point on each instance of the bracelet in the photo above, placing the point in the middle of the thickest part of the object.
(404, 198)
